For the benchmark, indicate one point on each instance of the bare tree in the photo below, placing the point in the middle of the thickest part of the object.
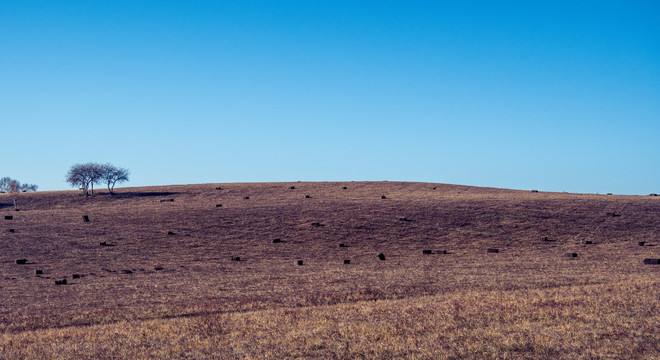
(14, 186)
(4, 183)
(84, 175)
(94, 171)
(78, 177)
(111, 175)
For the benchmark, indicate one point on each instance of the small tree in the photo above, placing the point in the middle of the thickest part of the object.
(14, 186)
(94, 172)
(111, 175)
(84, 175)
(76, 177)
(4, 184)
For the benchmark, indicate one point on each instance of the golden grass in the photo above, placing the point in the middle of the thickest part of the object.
(618, 320)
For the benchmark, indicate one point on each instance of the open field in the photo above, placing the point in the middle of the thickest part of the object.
(154, 294)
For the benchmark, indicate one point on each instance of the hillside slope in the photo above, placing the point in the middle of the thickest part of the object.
(169, 249)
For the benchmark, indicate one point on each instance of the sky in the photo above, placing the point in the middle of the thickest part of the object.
(547, 95)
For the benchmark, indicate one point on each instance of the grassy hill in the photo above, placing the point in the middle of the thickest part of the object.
(166, 285)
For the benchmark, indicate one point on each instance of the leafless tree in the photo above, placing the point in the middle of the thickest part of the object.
(4, 183)
(94, 171)
(111, 175)
(14, 186)
(85, 175)
(77, 177)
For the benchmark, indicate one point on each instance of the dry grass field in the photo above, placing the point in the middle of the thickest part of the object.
(165, 285)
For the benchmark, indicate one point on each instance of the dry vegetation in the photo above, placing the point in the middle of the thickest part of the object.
(154, 295)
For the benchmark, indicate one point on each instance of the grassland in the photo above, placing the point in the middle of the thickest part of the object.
(167, 286)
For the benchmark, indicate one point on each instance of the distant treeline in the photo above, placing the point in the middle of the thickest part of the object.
(8, 184)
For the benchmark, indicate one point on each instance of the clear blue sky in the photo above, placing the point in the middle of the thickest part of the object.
(548, 95)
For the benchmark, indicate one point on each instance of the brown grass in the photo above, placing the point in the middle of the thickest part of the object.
(527, 301)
